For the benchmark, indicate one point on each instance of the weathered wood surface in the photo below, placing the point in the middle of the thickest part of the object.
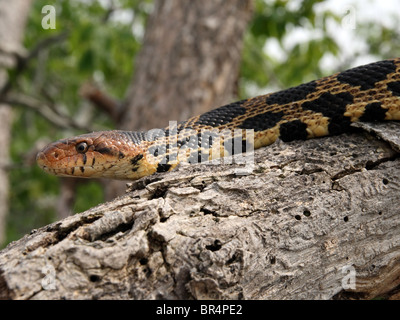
(308, 214)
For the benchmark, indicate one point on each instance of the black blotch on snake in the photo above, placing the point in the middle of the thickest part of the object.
(292, 94)
(394, 87)
(222, 115)
(367, 76)
(262, 121)
(332, 106)
(293, 130)
(373, 112)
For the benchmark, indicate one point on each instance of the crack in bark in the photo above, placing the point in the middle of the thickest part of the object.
(62, 233)
(369, 165)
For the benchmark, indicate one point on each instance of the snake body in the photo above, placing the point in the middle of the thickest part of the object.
(318, 108)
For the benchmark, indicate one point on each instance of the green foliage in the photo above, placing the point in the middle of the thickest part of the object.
(98, 45)
(382, 41)
(276, 21)
(300, 61)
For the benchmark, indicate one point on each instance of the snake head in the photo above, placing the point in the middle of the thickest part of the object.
(103, 154)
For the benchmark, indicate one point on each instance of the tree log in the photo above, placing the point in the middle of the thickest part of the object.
(316, 219)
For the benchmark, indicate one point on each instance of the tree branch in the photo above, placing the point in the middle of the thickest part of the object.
(50, 113)
(23, 58)
(101, 100)
(309, 212)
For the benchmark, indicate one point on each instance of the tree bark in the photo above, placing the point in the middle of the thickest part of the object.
(313, 220)
(13, 15)
(189, 63)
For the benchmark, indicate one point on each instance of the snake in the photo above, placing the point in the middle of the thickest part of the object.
(318, 108)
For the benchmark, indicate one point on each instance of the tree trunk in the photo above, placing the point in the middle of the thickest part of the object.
(313, 220)
(189, 63)
(13, 16)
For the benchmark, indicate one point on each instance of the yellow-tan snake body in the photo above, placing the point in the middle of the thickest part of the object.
(319, 108)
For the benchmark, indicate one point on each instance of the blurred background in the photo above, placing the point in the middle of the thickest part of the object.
(70, 67)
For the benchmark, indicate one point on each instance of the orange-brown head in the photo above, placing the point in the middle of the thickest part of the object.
(104, 154)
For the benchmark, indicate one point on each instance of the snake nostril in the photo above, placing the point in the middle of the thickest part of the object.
(39, 157)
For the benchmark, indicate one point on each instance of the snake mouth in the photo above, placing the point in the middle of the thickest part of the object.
(55, 163)
(42, 161)
(47, 165)
(49, 159)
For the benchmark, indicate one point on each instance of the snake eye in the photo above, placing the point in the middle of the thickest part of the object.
(81, 147)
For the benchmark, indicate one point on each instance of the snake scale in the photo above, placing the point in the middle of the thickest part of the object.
(318, 108)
